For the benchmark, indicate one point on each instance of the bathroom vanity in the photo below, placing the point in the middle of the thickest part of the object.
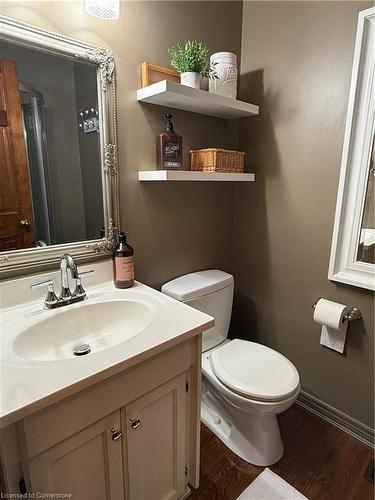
(120, 422)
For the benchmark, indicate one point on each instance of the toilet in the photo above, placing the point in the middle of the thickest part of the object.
(244, 384)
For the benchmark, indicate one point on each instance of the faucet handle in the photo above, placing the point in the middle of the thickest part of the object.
(51, 298)
(39, 284)
(86, 273)
(79, 290)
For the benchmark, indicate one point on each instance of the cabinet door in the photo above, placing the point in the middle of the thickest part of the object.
(88, 465)
(155, 443)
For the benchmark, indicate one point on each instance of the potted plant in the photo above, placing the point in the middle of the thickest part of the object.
(191, 60)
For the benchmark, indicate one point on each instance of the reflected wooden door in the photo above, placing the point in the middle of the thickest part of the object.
(16, 215)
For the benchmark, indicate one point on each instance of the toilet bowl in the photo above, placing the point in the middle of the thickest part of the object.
(244, 384)
(248, 426)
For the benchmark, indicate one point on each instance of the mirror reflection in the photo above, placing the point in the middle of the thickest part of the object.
(366, 245)
(50, 169)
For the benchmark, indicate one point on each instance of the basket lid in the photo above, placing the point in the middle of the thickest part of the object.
(217, 149)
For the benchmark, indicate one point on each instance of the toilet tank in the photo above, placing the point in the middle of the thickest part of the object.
(211, 292)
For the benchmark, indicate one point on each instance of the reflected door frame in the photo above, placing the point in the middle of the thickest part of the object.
(356, 157)
(16, 212)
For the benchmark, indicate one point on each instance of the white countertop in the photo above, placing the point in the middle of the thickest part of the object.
(28, 386)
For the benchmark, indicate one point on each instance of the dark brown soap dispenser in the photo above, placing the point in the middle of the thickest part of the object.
(123, 263)
(169, 148)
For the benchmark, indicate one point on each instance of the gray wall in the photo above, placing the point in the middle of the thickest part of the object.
(296, 63)
(89, 151)
(177, 227)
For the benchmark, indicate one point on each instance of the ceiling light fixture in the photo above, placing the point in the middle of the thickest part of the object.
(103, 9)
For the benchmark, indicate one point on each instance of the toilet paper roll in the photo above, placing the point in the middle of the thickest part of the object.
(331, 314)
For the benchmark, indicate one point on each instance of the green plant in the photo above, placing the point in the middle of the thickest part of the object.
(191, 56)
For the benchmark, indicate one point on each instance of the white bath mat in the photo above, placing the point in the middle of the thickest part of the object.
(269, 486)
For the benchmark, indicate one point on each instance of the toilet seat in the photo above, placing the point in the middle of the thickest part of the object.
(254, 370)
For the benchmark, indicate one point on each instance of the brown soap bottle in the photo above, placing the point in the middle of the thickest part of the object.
(123, 263)
(169, 148)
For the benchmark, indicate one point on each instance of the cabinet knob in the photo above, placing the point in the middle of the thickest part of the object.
(135, 422)
(116, 434)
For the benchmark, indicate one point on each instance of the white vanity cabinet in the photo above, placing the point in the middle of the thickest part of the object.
(155, 442)
(149, 433)
(87, 465)
(134, 435)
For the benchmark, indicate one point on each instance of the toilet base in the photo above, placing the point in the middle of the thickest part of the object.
(254, 438)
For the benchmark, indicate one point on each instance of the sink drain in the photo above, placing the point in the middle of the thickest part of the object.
(81, 350)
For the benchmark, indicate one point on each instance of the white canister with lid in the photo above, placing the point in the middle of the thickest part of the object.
(225, 67)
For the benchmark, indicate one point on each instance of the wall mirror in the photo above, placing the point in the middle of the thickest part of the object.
(58, 150)
(352, 253)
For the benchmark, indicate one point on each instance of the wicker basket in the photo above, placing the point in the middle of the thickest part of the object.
(217, 160)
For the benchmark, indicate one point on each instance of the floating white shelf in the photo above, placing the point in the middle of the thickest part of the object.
(188, 175)
(177, 96)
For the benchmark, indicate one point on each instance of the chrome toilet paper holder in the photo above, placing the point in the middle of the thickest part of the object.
(352, 315)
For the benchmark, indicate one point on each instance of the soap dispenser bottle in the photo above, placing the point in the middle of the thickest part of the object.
(169, 148)
(123, 263)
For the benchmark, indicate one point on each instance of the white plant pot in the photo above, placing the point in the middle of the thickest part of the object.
(191, 79)
(225, 64)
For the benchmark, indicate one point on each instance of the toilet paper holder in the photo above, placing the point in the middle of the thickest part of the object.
(353, 314)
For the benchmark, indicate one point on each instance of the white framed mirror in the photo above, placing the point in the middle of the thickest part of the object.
(58, 148)
(352, 258)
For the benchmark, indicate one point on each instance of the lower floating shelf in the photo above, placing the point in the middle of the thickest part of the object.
(190, 175)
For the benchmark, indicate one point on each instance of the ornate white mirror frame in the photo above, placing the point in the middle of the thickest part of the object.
(356, 159)
(31, 36)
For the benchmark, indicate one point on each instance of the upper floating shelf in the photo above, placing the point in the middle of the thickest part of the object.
(177, 96)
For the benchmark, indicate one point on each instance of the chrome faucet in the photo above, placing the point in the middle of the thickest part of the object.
(67, 262)
(66, 296)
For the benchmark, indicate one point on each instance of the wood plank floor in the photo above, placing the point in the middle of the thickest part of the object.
(320, 461)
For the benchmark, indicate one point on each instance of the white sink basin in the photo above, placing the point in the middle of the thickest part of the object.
(101, 325)
(122, 327)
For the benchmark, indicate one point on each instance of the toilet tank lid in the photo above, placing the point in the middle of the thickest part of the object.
(193, 285)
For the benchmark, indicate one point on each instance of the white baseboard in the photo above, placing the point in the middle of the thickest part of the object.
(186, 493)
(354, 428)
